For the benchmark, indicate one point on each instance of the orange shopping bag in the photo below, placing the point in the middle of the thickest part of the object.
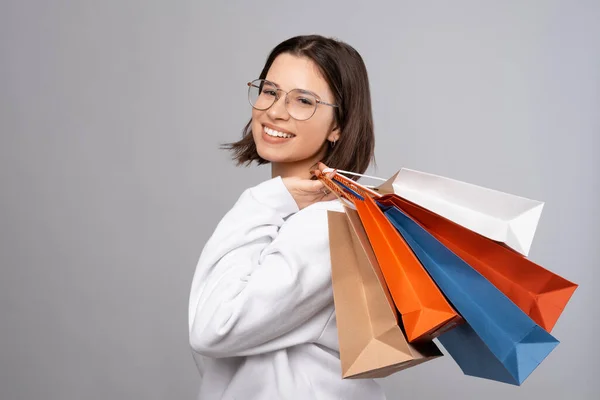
(540, 293)
(424, 310)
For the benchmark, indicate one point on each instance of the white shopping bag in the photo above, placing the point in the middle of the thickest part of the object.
(496, 215)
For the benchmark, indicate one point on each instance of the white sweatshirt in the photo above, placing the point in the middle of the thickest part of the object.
(261, 316)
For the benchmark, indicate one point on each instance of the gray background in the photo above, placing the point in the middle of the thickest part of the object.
(111, 113)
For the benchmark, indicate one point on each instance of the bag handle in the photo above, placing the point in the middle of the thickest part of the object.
(354, 174)
(353, 185)
(336, 189)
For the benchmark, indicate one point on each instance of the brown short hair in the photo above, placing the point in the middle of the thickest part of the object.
(345, 72)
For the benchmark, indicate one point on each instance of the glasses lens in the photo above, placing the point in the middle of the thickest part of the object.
(262, 94)
(300, 104)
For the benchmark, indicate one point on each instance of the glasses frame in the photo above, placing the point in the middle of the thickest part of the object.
(277, 97)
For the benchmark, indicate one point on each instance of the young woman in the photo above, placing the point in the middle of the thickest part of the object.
(261, 314)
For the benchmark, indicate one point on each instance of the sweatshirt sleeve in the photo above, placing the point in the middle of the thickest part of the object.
(260, 285)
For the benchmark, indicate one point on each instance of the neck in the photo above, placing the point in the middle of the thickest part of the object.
(299, 169)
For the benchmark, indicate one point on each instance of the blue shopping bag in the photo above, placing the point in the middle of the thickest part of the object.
(498, 341)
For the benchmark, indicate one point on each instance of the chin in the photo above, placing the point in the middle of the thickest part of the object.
(272, 155)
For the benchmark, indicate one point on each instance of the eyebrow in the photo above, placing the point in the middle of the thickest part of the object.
(276, 85)
(302, 90)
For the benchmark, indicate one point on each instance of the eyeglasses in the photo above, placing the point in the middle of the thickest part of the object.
(300, 104)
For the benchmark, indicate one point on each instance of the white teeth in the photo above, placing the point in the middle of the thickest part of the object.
(274, 133)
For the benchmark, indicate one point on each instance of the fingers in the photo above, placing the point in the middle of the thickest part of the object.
(327, 194)
(317, 188)
(322, 167)
(318, 173)
(309, 186)
(321, 190)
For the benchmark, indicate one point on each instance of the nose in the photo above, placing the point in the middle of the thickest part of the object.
(278, 109)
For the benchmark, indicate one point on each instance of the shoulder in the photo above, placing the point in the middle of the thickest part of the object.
(309, 226)
(304, 237)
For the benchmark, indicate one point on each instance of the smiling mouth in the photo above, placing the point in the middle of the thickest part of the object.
(277, 134)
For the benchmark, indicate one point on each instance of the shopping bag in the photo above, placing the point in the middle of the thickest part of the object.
(499, 341)
(540, 293)
(424, 310)
(372, 344)
(496, 215)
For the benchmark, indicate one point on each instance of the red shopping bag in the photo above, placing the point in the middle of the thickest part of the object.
(540, 293)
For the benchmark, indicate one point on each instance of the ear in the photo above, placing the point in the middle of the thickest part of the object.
(334, 135)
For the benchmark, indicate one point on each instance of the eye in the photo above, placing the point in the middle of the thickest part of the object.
(305, 101)
(269, 92)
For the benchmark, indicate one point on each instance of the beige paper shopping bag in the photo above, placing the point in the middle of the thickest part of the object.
(372, 344)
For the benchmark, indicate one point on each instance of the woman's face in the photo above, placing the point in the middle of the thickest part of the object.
(306, 141)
